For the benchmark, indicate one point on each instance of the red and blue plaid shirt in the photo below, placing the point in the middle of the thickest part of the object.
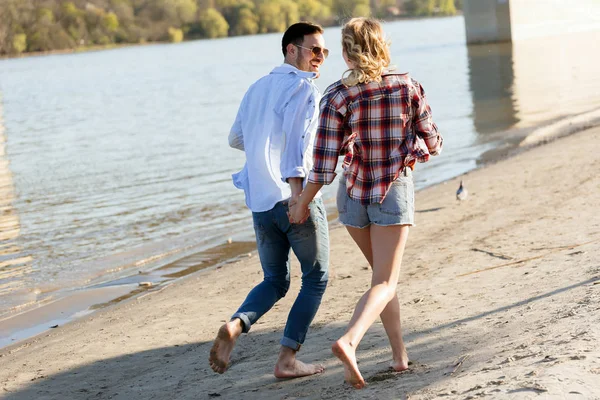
(380, 127)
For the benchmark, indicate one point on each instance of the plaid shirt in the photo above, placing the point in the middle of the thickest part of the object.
(380, 127)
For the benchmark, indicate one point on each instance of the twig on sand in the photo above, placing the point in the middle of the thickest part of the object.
(492, 254)
(529, 258)
(458, 363)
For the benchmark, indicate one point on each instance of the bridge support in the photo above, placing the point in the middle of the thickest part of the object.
(510, 20)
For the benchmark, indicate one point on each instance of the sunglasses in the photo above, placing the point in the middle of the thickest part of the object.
(316, 50)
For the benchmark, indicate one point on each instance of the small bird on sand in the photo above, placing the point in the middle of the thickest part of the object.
(462, 192)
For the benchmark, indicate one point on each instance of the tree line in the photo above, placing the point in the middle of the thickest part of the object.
(47, 25)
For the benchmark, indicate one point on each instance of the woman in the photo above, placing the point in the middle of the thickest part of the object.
(381, 122)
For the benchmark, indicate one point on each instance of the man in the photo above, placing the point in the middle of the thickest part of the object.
(275, 127)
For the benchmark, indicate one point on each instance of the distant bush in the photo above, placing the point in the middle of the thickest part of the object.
(175, 35)
(361, 10)
(19, 43)
(43, 25)
(110, 22)
(213, 24)
(104, 40)
(447, 7)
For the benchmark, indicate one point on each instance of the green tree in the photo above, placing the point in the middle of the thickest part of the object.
(429, 8)
(176, 12)
(247, 23)
(447, 7)
(344, 9)
(213, 24)
(185, 9)
(44, 34)
(308, 9)
(382, 9)
(73, 22)
(313, 10)
(411, 7)
(289, 12)
(123, 9)
(45, 16)
(240, 15)
(361, 10)
(70, 10)
(110, 22)
(269, 17)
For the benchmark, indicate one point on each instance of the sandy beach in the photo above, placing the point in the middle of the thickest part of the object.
(500, 298)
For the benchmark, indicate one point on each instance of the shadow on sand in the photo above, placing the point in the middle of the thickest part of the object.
(182, 372)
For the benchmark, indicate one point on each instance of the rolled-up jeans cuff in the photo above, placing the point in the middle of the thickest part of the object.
(245, 321)
(292, 344)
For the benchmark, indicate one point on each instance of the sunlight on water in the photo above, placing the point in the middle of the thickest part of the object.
(14, 265)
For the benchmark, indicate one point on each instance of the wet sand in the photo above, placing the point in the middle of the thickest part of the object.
(499, 297)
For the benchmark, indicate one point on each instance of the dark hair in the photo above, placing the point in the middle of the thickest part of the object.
(295, 34)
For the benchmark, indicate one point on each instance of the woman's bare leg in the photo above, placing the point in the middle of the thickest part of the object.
(391, 313)
(387, 244)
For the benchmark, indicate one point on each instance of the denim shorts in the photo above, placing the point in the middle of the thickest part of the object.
(397, 208)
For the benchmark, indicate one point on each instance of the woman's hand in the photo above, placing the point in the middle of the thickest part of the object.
(298, 213)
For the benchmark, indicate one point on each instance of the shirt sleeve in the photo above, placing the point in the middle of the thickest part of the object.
(424, 125)
(296, 115)
(328, 143)
(236, 136)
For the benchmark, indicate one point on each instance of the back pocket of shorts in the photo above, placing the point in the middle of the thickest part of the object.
(397, 200)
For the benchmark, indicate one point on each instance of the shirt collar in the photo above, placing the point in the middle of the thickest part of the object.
(290, 69)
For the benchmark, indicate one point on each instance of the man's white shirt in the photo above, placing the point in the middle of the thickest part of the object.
(275, 126)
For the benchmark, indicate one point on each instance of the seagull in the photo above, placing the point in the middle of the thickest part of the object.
(462, 192)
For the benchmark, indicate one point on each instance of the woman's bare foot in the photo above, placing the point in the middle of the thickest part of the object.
(400, 363)
(347, 355)
(223, 345)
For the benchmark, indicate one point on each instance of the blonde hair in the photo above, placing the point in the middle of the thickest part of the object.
(365, 46)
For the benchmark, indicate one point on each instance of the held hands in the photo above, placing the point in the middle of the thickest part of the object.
(298, 213)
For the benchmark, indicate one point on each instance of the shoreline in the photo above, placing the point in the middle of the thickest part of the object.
(38, 318)
(76, 303)
(114, 46)
(76, 50)
(499, 298)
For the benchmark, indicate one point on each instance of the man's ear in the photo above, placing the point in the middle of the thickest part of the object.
(291, 49)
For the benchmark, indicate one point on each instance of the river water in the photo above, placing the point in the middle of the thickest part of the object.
(115, 163)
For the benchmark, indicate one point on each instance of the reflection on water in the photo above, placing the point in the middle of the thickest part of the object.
(491, 79)
(556, 76)
(531, 82)
(14, 266)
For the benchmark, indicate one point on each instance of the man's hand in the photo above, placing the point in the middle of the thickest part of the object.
(297, 213)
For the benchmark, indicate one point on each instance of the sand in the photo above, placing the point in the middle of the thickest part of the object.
(500, 298)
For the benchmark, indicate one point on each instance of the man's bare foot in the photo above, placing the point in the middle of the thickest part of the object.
(223, 345)
(296, 369)
(400, 363)
(347, 355)
(288, 367)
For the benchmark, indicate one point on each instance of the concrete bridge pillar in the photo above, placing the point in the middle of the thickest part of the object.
(487, 21)
(510, 20)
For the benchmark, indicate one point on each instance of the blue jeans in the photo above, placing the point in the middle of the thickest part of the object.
(275, 236)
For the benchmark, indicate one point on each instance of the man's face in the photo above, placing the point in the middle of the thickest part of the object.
(305, 59)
